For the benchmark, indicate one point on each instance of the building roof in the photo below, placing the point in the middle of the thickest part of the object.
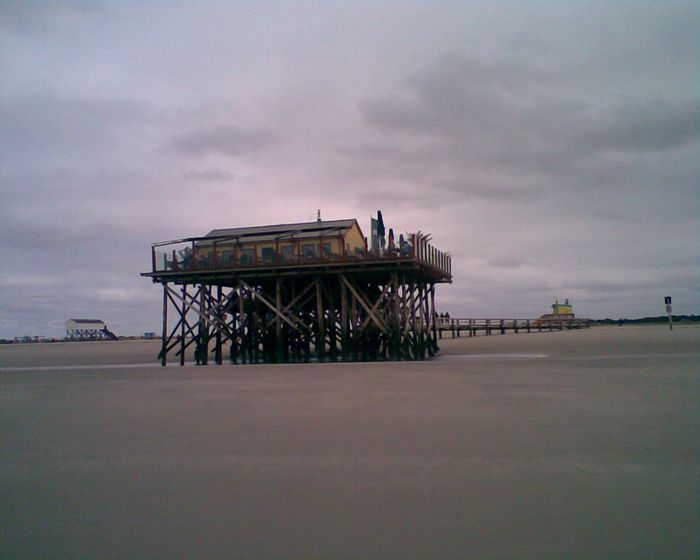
(303, 229)
(86, 321)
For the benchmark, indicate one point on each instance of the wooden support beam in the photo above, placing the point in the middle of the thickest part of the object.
(202, 349)
(196, 300)
(433, 317)
(243, 346)
(364, 304)
(345, 339)
(373, 312)
(163, 352)
(183, 315)
(320, 323)
(278, 323)
(218, 311)
(257, 295)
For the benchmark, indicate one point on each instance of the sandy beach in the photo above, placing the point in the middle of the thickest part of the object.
(574, 444)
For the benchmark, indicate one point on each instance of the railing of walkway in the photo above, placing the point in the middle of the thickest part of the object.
(473, 325)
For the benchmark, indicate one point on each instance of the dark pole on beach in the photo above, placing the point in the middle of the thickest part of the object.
(164, 337)
(667, 300)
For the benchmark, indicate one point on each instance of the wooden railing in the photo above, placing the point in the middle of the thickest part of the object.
(488, 326)
(423, 252)
(187, 255)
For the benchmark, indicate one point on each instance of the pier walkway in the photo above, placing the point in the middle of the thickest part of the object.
(457, 326)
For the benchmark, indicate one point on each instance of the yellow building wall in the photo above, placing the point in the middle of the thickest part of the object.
(354, 239)
(562, 309)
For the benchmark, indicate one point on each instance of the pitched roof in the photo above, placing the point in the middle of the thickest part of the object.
(280, 230)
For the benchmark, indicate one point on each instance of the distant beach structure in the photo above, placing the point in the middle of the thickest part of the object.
(88, 329)
(562, 317)
(560, 311)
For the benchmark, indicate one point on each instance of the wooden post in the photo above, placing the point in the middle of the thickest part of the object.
(164, 337)
(433, 318)
(420, 329)
(278, 321)
(411, 326)
(219, 313)
(241, 324)
(332, 334)
(321, 336)
(203, 331)
(183, 315)
(345, 340)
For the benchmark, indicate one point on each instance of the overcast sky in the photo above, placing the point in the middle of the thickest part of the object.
(552, 147)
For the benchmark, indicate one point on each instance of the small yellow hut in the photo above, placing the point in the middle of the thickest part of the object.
(560, 311)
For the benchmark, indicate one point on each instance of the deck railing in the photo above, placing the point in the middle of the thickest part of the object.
(192, 255)
(471, 325)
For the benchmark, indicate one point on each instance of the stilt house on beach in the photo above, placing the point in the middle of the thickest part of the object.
(299, 291)
(88, 329)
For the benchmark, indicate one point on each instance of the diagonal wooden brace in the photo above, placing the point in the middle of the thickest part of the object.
(367, 308)
(257, 295)
(214, 319)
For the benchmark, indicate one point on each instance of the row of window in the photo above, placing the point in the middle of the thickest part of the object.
(268, 254)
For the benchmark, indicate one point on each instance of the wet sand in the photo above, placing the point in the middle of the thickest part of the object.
(582, 444)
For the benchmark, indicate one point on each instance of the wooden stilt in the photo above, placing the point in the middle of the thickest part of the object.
(217, 351)
(433, 317)
(320, 323)
(241, 323)
(183, 322)
(345, 339)
(164, 346)
(278, 321)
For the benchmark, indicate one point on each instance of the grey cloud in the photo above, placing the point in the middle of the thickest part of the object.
(509, 262)
(650, 126)
(509, 107)
(40, 124)
(209, 175)
(507, 128)
(26, 16)
(460, 94)
(225, 140)
(20, 234)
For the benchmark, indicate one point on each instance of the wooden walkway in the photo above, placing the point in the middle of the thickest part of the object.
(489, 326)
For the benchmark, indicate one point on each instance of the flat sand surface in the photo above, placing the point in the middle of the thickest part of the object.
(580, 444)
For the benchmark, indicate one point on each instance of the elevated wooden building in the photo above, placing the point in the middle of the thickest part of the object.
(88, 329)
(297, 292)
